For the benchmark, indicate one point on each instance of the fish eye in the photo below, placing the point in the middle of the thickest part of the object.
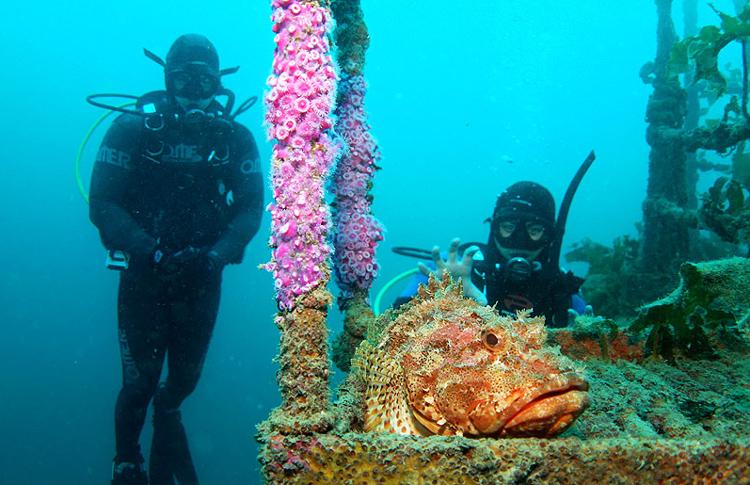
(490, 340)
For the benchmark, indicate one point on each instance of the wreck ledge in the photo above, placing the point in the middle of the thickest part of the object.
(650, 421)
(382, 458)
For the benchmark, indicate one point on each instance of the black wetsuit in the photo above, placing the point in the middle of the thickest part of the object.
(158, 190)
(548, 293)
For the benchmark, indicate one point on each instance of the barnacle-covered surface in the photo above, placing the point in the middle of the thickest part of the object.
(303, 367)
(392, 459)
(357, 314)
(648, 421)
(692, 399)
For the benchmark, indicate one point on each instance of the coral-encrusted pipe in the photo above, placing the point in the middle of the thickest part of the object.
(356, 231)
(298, 115)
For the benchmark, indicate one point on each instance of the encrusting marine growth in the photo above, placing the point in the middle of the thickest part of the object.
(298, 115)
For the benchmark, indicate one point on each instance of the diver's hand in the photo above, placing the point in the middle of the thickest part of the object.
(171, 264)
(457, 269)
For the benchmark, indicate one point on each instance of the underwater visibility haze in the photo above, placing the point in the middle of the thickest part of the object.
(464, 99)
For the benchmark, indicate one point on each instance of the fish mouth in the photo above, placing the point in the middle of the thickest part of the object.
(548, 411)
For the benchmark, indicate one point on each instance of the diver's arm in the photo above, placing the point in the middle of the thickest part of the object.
(110, 178)
(248, 196)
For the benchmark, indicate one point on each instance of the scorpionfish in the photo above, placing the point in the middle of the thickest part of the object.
(447, 365)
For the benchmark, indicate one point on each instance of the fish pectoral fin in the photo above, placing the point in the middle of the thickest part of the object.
(387, 408)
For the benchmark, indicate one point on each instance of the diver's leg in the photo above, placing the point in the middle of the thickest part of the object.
(142, 333)
(192, 327)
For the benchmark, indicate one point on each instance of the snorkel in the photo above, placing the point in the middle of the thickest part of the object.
(562, 215)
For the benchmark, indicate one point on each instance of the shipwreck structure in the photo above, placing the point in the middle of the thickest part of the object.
(649, 421)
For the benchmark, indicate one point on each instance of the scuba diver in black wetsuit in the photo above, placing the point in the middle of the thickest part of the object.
(519, 266)
(176, 194)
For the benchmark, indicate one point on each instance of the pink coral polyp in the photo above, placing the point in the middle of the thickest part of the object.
(306, 130)
(303, 88)
(297, 142)
(282, 133)
(302, 105)
(289, 124)
(288, 230)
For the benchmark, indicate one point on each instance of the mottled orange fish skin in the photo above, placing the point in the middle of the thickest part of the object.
(466, 370)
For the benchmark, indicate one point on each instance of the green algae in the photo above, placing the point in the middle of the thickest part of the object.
(711, 297)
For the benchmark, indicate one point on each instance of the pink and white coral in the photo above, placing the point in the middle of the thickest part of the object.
(298, 113)
(357, 232)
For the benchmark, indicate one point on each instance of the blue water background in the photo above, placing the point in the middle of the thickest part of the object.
(465, 98)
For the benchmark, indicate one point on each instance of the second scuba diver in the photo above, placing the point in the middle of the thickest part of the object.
(176, 194)
(518, 267)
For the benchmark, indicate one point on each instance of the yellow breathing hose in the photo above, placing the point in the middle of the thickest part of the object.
(82, 148)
